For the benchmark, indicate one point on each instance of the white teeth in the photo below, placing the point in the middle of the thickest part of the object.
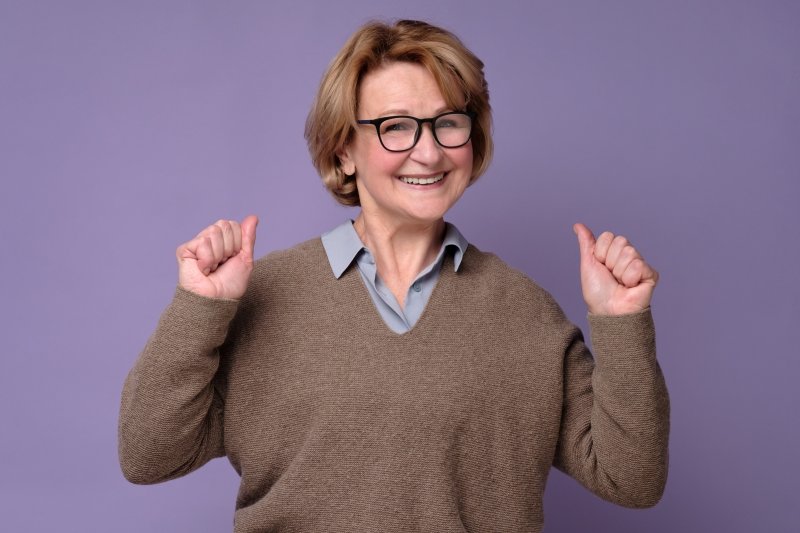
(422, 181)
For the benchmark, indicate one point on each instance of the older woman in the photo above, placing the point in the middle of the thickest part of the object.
(389, 376)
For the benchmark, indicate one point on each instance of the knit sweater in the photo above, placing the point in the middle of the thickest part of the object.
(335, 423)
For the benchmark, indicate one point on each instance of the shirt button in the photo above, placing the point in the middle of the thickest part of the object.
(416, 287)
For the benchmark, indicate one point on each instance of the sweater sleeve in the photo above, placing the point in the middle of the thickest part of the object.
(171, 413)
(615, 420)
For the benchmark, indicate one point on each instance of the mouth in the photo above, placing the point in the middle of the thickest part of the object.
(429, 180)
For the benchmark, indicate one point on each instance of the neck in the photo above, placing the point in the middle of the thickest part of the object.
(401, 251)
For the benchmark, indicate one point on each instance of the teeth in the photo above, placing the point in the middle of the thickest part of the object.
(422, 181)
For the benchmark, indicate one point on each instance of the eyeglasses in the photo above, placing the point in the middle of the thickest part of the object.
(401, 133)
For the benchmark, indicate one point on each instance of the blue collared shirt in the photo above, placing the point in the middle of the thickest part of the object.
(343, 246)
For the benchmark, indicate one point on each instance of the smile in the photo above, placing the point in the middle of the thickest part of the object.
(422, 181)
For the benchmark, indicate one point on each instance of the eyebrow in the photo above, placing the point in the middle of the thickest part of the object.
(402, 111)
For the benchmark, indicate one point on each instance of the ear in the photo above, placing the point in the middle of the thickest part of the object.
(346, 162)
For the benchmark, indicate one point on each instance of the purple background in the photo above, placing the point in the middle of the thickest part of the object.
(127, 127)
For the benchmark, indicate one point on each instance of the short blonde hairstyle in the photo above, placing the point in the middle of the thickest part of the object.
(458, 72)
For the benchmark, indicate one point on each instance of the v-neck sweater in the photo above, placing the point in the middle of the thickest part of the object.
(336, 423)
(344, 247)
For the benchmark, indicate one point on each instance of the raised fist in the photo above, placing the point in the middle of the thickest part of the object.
(218, 262)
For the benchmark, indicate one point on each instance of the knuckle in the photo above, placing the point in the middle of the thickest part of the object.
(210, 233)
(204, 245)
(211, 245)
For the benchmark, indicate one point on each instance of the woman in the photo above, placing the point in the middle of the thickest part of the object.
(389, 376)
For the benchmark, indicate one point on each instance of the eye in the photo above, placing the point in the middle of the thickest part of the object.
(398, 125)
(454, 120)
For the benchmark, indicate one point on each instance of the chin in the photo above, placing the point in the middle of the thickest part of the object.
(426, 216)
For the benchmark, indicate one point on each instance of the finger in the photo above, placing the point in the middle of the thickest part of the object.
(602, 245)
(586, 241)
(213, 234)
(614, 250)
(249, 225)
(227, 238)
(207, 259)
(623, 260)
(237, 236)
(649, 274)
(632, 275)
(639, 271)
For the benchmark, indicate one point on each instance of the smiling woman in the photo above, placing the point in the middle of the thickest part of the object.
(389, 376)
(415, 187)
(457, 74)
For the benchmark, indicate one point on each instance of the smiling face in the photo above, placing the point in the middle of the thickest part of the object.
(416, 186)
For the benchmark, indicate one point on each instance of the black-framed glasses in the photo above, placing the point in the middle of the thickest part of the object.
(400, 133)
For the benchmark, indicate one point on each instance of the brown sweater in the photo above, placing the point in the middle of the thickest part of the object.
(335, 423)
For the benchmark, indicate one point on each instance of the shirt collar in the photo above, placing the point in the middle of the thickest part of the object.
(342, 244)
(453, 237)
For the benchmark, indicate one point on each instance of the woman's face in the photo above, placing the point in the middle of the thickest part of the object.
(382, 177)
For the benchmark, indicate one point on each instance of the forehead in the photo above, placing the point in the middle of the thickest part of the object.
(400, 87)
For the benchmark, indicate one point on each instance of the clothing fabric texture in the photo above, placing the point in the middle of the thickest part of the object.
(343, 246)
(335, 423)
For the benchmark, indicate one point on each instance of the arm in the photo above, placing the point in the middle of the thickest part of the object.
(615, 421)
(171, 416)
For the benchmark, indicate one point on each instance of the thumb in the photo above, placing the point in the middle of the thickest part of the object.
(249, 225)
(586, 240)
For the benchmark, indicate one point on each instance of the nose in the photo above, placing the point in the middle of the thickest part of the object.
(427, 150)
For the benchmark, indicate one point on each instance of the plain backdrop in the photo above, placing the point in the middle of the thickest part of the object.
(126, 127)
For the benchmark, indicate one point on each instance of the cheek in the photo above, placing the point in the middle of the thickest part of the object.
(374, 159)
(463, 160)
(383, 162)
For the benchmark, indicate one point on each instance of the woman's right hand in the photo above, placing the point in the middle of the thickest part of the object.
(218, 262)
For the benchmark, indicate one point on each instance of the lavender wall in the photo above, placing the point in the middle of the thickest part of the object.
(125, 127)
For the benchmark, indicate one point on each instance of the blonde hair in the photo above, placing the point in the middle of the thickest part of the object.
(458, 72)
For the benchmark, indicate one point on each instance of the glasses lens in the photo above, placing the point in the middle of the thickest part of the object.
(398, 133)
(453, 129)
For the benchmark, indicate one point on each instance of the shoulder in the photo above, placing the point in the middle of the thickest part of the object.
(301, 264)
(308, 255)
(507, 286)
(283, 280)
(307, 252)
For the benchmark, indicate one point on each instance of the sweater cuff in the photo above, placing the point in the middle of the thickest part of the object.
(197, 320)
(623, 340)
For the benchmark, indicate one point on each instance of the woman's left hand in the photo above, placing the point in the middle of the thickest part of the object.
(615, 280)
